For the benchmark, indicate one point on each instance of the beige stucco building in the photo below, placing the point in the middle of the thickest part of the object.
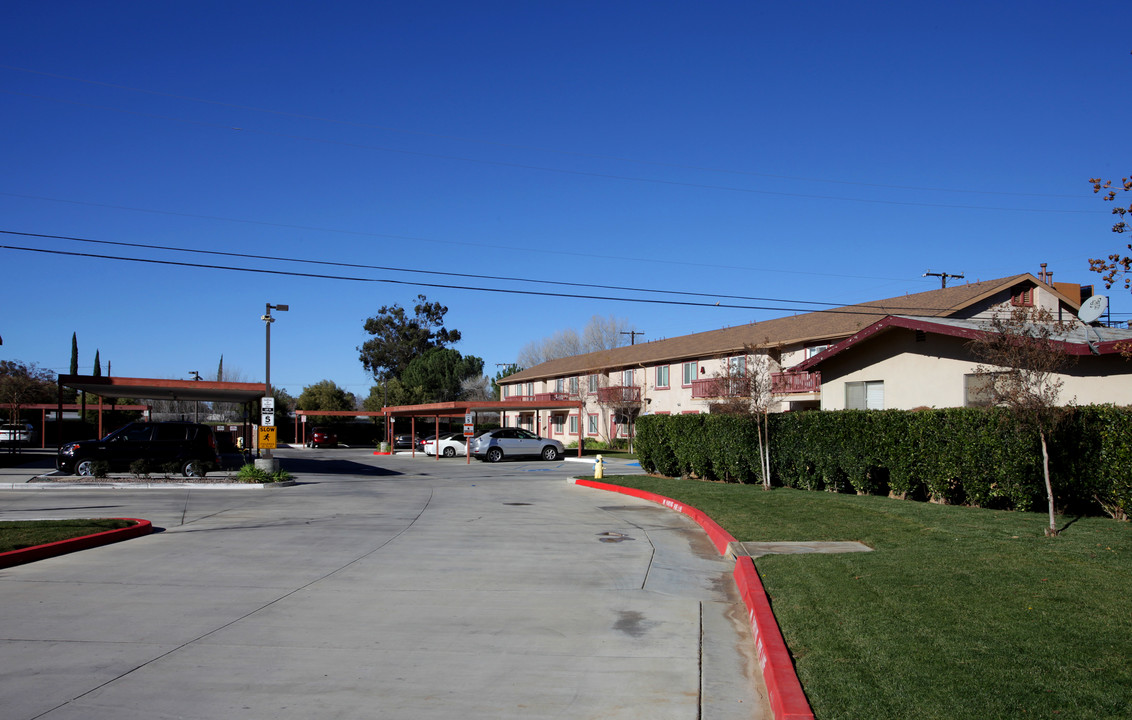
(904, 352)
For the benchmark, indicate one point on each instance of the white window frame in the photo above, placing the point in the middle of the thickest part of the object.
(864, 395)
(690, 371)
(662, 382)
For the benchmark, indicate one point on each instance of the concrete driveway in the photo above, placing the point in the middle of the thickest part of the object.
(379, 587)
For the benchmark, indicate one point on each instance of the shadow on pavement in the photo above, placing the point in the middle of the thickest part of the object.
(315, 466)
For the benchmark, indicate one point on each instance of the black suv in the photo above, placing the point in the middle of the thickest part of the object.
(190, 446)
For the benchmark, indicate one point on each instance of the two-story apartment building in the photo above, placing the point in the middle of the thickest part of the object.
(695, 373)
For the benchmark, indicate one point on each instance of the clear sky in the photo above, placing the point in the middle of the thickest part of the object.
(763, 154)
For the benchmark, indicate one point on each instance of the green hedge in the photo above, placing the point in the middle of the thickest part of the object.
(972, 456)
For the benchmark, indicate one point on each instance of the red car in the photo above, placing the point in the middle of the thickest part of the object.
(322, 437)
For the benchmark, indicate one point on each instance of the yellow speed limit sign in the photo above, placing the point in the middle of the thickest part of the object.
(266, 438)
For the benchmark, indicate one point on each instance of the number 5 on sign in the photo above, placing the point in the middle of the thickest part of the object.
(266, 438)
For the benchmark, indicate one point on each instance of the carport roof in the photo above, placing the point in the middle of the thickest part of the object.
(161, 389)
(459, 408)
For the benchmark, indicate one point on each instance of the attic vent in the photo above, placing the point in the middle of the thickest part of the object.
(921, 336)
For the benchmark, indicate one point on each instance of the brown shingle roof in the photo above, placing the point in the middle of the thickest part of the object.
(830, 324)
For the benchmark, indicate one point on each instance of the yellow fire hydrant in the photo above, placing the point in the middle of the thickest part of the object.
(599, 469)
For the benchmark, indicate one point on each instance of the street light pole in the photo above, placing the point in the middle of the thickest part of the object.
(267, 320)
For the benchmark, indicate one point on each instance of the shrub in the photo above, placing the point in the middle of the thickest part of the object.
(976, 456)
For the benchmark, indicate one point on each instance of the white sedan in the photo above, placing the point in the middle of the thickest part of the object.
(451, 445)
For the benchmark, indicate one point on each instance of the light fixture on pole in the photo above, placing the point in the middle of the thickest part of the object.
(267, 320)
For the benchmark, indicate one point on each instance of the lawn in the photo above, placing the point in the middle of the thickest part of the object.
(958, 612)
(19, 534)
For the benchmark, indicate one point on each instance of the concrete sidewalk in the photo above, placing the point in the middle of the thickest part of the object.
(378, 587)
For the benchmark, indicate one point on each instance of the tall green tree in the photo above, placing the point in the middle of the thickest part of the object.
(220, 370)
(325, 395)
(507, 370)
(20, 384)
(74, 354)
(97, 372)
(399, 338)
(437, 375)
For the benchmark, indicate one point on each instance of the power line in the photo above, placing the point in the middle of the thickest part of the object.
(412, 238)
(853, 310)
(386, 268)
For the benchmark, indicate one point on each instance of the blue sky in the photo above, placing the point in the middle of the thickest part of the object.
(827, 152)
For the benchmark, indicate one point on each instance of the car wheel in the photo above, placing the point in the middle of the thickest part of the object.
(192, 468)
(494, 455)
(449, 452)
(84, 467)
(550, 453)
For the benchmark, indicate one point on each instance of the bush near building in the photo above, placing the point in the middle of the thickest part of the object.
(972, 456)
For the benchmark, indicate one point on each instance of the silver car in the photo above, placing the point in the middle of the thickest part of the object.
(494, 445)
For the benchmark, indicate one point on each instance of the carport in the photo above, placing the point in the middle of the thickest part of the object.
(462, 408)
(160, 389)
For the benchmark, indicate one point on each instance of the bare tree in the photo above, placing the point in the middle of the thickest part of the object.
(598, 334)
(1021, 366)
(743, 387)
(1116, 264)
(626, 402)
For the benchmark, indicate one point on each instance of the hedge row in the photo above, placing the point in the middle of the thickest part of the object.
(973, 456)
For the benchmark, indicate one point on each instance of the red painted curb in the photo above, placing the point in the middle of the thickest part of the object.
(719, 537)
(787, 699)
(378, 452)
(62, 547)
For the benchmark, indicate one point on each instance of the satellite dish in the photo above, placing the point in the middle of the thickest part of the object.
(1092, 308)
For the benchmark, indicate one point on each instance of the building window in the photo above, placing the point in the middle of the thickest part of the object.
(573, 425)
(689, 374)
(868, 395)
(662, 376)
(592, 384)
(506, 391)
(560, 385)
(591, 423)
(737, 367)
(627, 378)
(573, 386)
(530, 390)
(557, 420)
(814, 350)
(1023, 298)
(978, 389)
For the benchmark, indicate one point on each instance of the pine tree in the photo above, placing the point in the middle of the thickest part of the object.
(97, 365)
(74, 354)
(220, 370)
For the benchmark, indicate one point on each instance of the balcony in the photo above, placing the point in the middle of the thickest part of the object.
(554, 397)
(789, 383)
(618, 394)
(518, 398)
(718, 387)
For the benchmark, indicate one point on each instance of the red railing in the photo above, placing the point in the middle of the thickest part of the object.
(518, 398)
(618, 394)
(552, 397)
(717, 387)
(786, 383)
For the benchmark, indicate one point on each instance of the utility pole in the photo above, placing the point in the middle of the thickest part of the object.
(632, 336)
(942, 277)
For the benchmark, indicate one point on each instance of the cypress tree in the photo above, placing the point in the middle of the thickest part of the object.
(97, 365)
(74, 354)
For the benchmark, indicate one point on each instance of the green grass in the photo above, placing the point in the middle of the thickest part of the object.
(958, 613)
(19, 534)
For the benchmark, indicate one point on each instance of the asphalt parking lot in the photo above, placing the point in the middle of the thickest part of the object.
(391, 587)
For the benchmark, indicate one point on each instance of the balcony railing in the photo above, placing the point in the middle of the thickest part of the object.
(718, 387)
(518, 398)
(618, 394)
(786, 383)
(553, 397)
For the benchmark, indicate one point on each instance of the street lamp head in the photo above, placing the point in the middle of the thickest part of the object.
(280, 308)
